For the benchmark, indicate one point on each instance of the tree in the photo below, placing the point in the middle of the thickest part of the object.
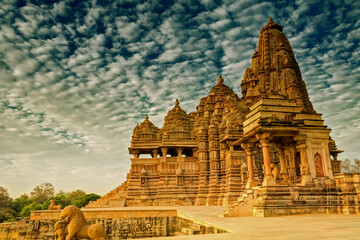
(84, 200)
(74, 195)
(5, 200)
(19, 203)
(7, 214)
(348, 167)
(25, 212)
(42, 192)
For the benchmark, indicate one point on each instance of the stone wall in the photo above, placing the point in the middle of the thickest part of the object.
(327, 196)
(118, 225)
(121, 228)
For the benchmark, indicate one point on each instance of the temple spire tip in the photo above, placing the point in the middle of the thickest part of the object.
(220, 79)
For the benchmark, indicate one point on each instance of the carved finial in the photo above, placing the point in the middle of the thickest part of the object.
(146, 117)
(176, 102)
(220, 79)
(270, 20)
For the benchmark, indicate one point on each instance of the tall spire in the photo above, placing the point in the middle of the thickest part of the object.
(274, 70)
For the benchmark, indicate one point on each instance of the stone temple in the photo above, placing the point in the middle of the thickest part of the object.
(265, 153)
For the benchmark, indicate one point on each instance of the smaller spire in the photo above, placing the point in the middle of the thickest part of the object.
(177, 102)
(220, 79)
(146, 117)
(270, 20)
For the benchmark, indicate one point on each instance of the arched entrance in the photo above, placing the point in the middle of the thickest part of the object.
(319, 165)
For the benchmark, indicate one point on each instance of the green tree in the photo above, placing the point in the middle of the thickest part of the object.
(7, 214)
(42, 192)
(5, 199)
(19, 203)
(25, 212)
(84, 200)
(75, 195)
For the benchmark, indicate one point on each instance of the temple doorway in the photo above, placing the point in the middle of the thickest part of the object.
(319, 165)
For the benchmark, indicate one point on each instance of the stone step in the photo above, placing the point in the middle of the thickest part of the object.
(190, 231)
(195, 226)
(180, 234)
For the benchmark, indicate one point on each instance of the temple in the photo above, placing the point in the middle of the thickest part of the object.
(265, 153)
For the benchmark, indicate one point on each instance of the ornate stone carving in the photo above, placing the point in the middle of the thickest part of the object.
(225, 133)
(78, 227)
(275, 56)
(59, 230)
(53, 206)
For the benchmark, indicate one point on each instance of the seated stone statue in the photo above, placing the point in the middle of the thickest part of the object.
(52, 205)
(78, 227)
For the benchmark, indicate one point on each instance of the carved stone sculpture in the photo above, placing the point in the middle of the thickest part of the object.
(52, 205)
(275, 170)
(274, 114)
(59, 230)
(78, 227)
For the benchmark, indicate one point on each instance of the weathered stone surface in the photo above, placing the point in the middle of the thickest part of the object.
(117, 224)
(271, 136)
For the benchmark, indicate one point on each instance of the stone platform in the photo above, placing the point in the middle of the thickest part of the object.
(314, 226)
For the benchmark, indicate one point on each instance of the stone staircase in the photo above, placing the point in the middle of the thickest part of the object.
(114, 198)
(244, 205)
(191, 229)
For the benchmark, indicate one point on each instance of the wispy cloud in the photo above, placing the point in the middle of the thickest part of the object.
(76, 76)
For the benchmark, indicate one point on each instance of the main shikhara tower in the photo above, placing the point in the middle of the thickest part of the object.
(266, 144)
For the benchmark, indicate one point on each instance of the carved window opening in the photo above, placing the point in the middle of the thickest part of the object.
(179, 180)
(145, 155)
(319, 165)
(171, 153)
(237, 148)
(187, 153)
(143, 181)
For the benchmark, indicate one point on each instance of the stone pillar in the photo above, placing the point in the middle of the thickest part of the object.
(222, 171)
(282, 158)
(194, 152)
(249, 156)
(203, 156)
(306, 177)
(154, 153)
(283, 167)
(164, 151)
(265, 142)
(214, 159)
(136, 153)
(179, 151)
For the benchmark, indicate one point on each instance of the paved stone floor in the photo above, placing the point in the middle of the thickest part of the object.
(286, 227)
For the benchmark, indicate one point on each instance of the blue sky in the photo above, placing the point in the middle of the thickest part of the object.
(76, 76)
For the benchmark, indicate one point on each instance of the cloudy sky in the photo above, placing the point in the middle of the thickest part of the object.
(76, 76)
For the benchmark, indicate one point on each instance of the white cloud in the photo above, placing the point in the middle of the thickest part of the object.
(74, 92)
